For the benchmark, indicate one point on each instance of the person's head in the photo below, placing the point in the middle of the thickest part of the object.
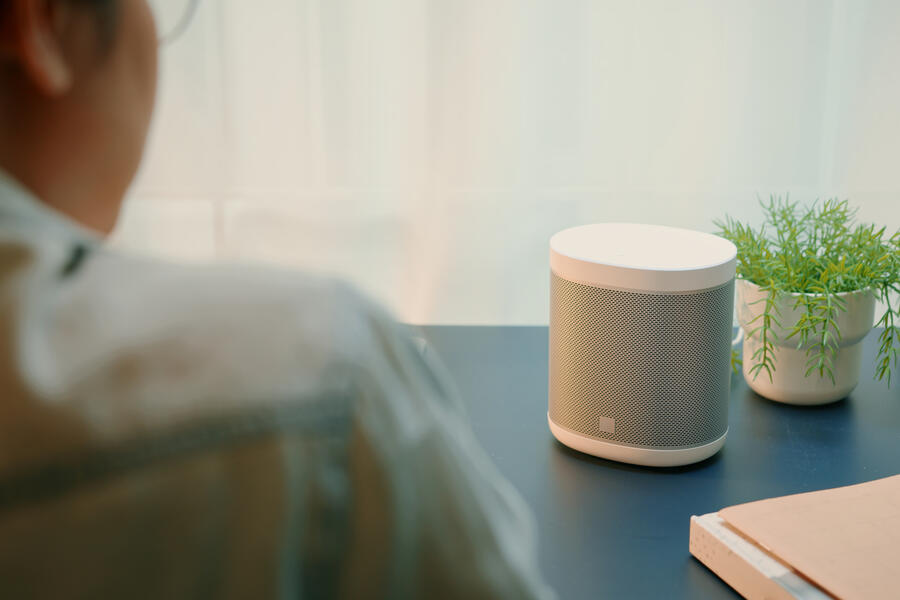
(77, 88)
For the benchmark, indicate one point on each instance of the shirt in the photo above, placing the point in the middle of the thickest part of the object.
(229, 431)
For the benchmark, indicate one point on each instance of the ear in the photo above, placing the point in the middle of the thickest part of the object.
(30, 35)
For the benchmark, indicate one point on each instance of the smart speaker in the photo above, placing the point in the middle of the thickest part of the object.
(640, 342)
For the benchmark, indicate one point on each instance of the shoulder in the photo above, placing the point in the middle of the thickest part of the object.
(102, 348)
(124, 329)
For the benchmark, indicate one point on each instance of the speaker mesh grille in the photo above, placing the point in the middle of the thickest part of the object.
(658, 364)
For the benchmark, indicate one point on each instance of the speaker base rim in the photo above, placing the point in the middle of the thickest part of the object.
(648, 457)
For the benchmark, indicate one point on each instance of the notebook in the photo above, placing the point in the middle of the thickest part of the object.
(840, 543)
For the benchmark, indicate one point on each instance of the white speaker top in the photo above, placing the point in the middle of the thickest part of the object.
(642, 258)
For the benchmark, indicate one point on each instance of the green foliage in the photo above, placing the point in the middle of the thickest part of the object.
(765, 354)
(819, 251)
(736, 361)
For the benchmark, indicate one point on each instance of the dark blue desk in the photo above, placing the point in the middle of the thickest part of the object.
(609, 530)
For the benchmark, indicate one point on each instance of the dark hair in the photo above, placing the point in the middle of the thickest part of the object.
(104, 9)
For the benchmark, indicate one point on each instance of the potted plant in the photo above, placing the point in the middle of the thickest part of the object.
(807, 283)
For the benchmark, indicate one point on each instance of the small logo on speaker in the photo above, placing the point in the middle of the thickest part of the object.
(607, 425)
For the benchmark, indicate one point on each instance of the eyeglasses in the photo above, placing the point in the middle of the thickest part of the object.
(172, 17)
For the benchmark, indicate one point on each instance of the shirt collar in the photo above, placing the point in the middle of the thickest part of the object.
(20, 209)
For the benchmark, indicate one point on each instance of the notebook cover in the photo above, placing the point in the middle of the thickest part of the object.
(846, 540)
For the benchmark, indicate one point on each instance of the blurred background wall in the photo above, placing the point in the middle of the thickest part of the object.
(428, 149)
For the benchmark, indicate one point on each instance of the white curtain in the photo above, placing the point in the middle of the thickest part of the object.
(428, 149)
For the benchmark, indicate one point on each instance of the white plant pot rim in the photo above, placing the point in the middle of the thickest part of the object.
(869, 290)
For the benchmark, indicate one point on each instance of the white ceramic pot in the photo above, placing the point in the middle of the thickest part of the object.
(789, 383)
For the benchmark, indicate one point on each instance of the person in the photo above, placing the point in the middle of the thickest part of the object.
(177, 431)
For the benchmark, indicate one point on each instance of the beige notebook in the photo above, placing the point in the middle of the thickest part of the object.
(844, 542)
